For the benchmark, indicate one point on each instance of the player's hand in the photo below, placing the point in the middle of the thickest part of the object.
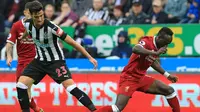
(94, 62)
(8, 61)
(20, 35)
(172, 78)
(162, 50)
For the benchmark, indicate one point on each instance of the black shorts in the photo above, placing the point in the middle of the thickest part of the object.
(57, 70)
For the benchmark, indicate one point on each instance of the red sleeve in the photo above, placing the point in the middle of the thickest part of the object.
(144, 42)
(12, 35)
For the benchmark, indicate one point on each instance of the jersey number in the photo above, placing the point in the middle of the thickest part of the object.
(61, 71)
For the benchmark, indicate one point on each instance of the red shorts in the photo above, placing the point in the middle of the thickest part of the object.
(20, 69)
(127, 87)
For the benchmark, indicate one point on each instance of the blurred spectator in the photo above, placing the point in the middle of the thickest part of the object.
(49, 12)
(5, 7)
(164, 2)
(2, 34)
(158, 16)
(81, 6)
(117, 18)
(146, 6)
(109, 5)
(95, 15)
(193, 13)
(136, 16)
(123, 50)
(127, 5)
(87, 44)
(13, 13)
(67, 17)
(176, 9)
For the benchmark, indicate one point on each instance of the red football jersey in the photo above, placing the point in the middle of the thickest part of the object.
(138, 64)
(25, 49)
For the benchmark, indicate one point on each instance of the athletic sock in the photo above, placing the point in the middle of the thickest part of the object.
(82, 97)
(33, 105)
(112, 108)
(105, 109)
(23, 99)
(173, 102)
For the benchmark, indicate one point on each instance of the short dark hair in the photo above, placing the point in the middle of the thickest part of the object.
(165, 31)
(27, 6)
(35, 6)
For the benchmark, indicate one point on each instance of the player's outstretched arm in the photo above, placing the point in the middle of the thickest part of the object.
(79, 48)
(9, 52)
(156, 66)
(24, 35)
(139, 49)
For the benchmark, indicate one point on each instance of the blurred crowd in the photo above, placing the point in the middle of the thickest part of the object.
(80, 13)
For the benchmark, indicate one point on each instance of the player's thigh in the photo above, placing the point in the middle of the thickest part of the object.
(34, 71)
(60, 73)
(159, 87)
(126, 89)
(121, 101)
(145, 83)
(20, 68)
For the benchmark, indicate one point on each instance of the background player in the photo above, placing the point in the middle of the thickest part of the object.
(49, 58)
(25, 51)
(133, 76)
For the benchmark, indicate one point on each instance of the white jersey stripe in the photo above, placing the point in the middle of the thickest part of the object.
(52, 45)
(42, 41)
(60, 50)
(38, 48)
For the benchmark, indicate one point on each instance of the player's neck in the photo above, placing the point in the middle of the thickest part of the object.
(157, 44)
(38, 26)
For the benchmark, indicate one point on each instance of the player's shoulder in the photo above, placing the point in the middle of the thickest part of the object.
(18, 23)
(28, 21)
(51, 24)
(147, 38)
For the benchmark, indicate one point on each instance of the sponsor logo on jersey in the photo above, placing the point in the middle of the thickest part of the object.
(59, 32)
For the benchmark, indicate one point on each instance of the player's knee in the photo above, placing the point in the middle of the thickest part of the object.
(21, 85)
(68, 83)
(26, 80)
(170, 90)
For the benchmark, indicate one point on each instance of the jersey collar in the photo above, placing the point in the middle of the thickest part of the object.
(154, 42)
(23, 22)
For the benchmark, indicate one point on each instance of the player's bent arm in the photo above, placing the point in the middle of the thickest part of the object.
(9, 49)
(156, 66)
(25, 35)
(139, 49)
(77, 46)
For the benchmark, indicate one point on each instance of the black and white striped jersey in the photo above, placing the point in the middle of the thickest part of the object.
(95, 15)
(46, 40)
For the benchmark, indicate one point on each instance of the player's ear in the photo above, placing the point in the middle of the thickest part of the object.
(24, 12)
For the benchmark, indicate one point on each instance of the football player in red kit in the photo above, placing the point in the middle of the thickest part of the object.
(25, 51)
(134, 76)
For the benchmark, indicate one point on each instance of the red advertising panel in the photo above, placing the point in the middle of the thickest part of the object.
(102, 89)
